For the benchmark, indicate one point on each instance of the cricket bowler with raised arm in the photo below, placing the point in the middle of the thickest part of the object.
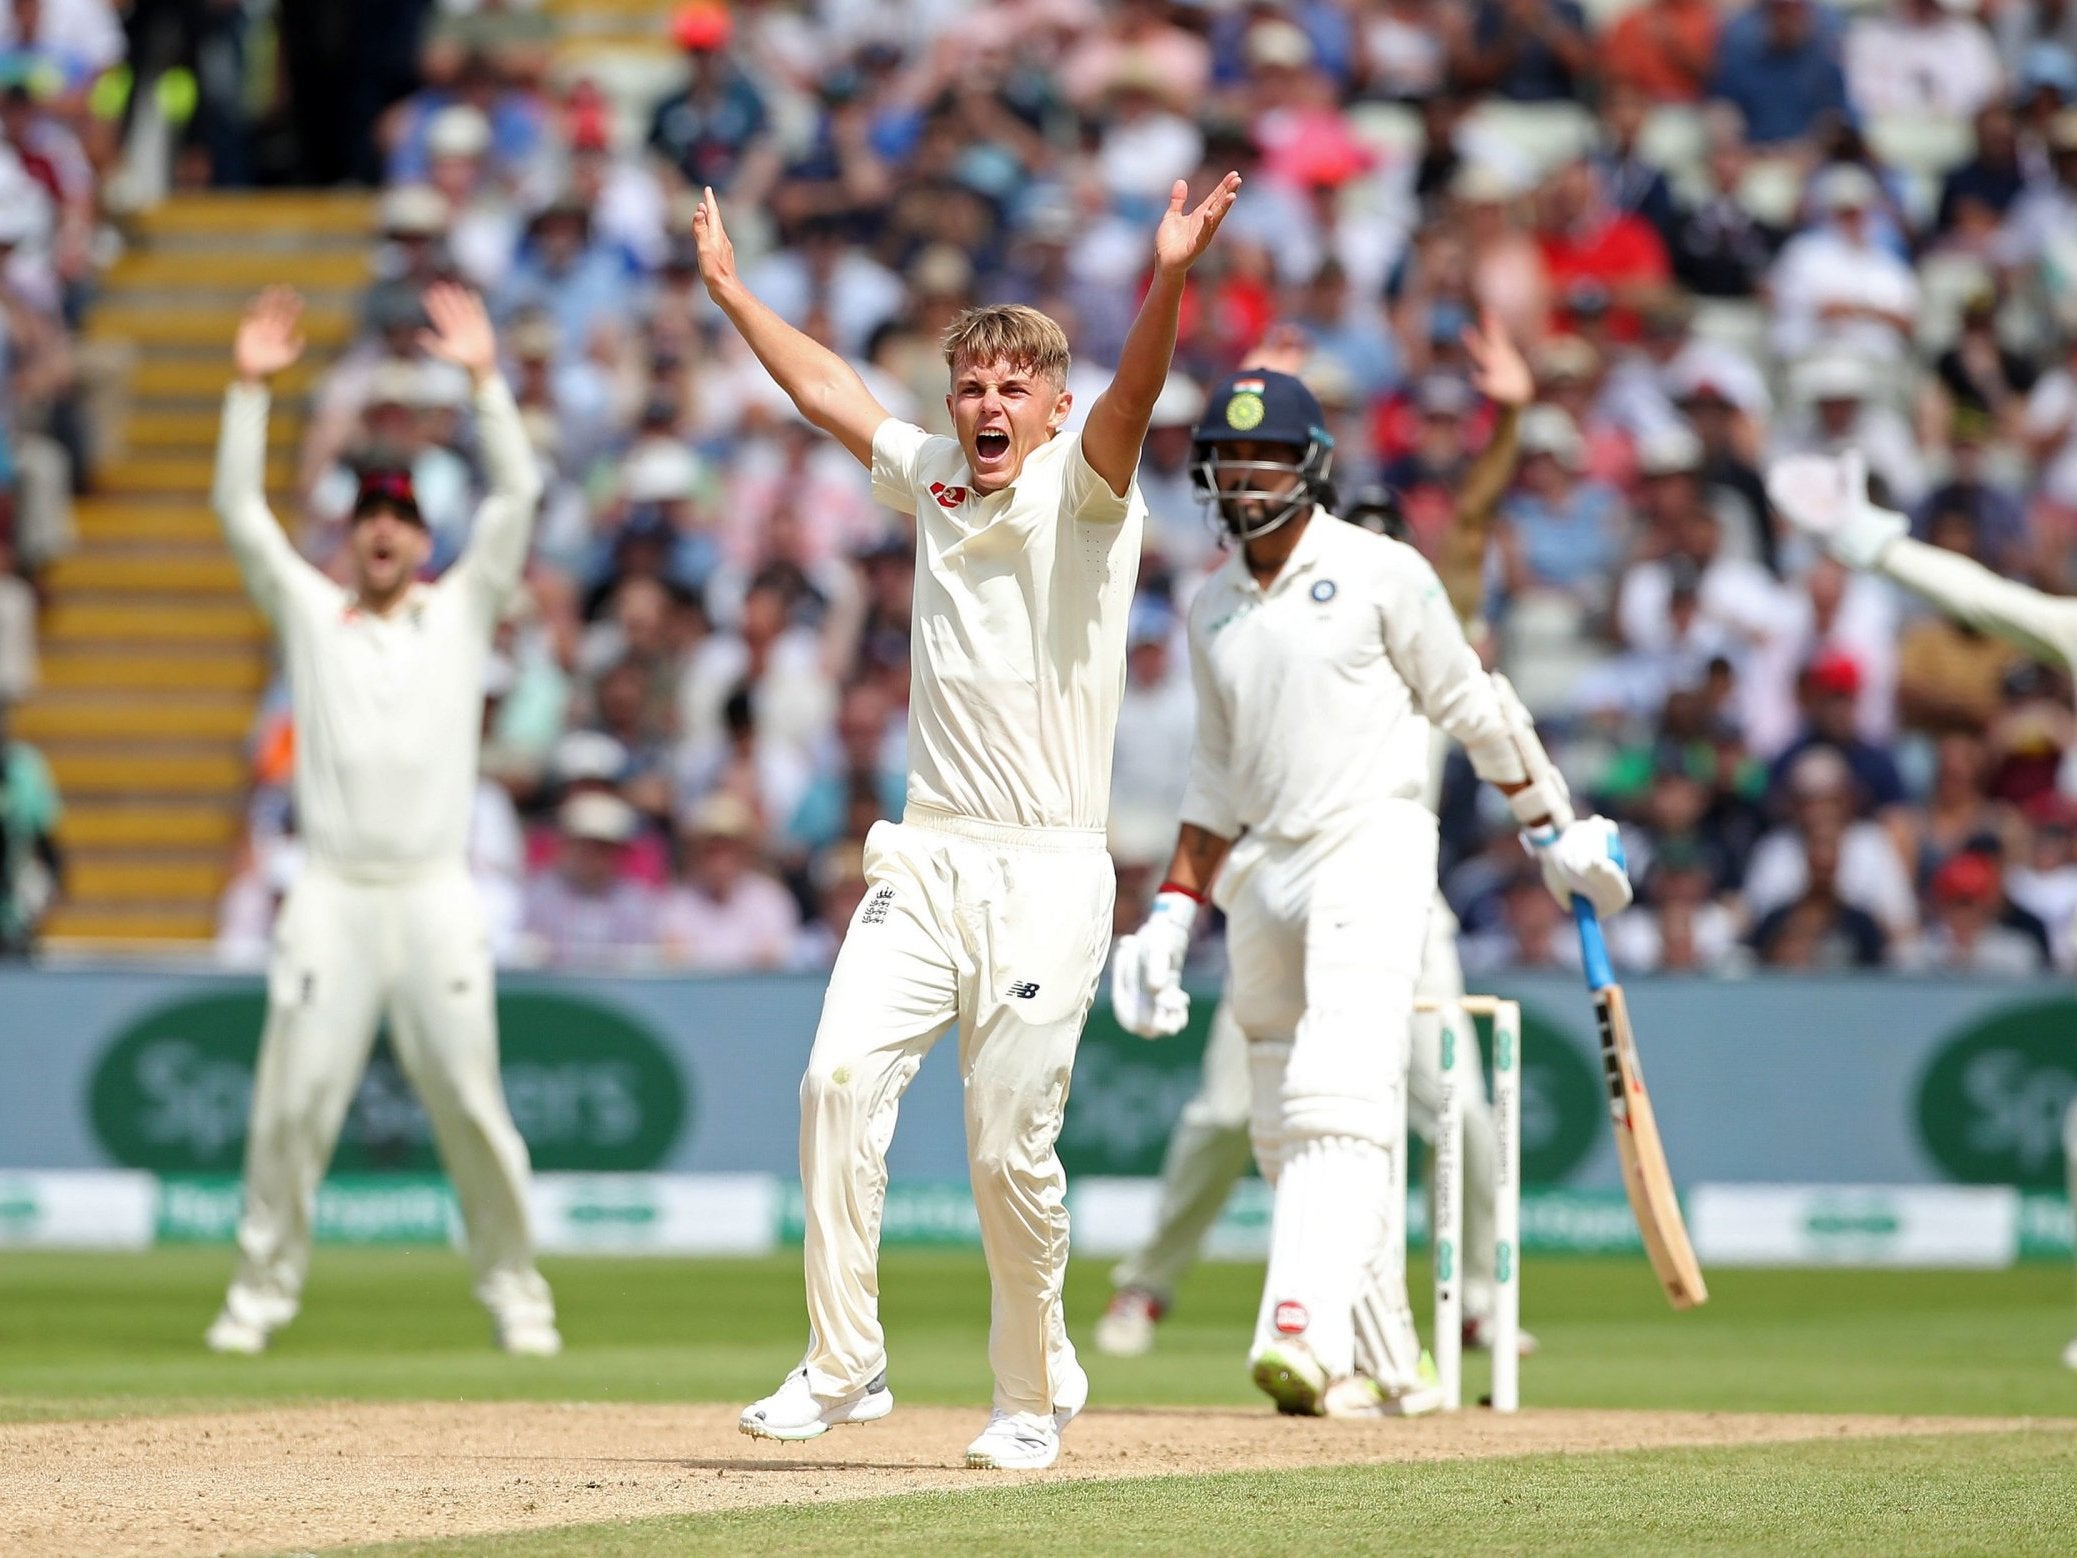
(386, 681)
(1320, 653)
(988, 906)
(1209, 1149)
(1826, 497)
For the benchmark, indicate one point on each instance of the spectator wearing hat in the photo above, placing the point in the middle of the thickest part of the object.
(585, 286)
(483, 226)
(1427, 475)
(1986, 381)
(1927, 59)
(1777, 61)
(1965, 932)
(836, 878)
(1841, 408)
(1558, 532)
(1402, 49)
(1569, 376)
(1528, 51)
(1664, 49)
(1677, 925)
(1828, 692)
(1178, 530)
(2044, 217)
(717, 130)
(1993, 518)
(1837, 286)
(725, 912)
(1136, 39)
(516, 126)
(825, 282)
(1958, 815)
(587, 912)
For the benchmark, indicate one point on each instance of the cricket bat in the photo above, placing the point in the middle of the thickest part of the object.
(1645, 1176)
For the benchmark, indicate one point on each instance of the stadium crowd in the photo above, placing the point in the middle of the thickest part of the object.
(1721, 231)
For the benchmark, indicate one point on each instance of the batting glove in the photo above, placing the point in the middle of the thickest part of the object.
(1147, 993)
(1584, 857)
(1826, 497)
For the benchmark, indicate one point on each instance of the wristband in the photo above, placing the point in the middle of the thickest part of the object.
(1190, 893)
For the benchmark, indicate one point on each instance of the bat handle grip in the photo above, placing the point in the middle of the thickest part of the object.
(1593, 946)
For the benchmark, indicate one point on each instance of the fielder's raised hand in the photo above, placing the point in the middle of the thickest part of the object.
(270, 336)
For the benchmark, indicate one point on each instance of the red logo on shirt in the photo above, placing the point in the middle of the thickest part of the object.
(948, 497)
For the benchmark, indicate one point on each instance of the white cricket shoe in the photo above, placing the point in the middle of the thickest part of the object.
(1126, 1329)
(1016, 1441)
(529, 1338)
(1478, 1336)
(2070, 1356)
(1358, 1395)
(229, 1334)
(793, 1411)
(1291, 1376)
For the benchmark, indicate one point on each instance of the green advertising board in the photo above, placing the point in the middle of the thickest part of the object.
(1993, 1098)
(591, 1088)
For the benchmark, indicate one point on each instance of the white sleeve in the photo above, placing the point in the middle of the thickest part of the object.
(1427, 646)
(266, 560)
(1208, 798)
(1087, 497)
(2043, 625)
(897, 455)
(504, 529)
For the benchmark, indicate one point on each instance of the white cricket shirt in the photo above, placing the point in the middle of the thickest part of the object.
(1314, 696)
(1018, 659)
(388, 710)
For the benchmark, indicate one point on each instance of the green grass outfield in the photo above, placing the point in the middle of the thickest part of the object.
(86, 1335)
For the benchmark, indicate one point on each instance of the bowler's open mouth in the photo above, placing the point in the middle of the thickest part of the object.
(991, 445)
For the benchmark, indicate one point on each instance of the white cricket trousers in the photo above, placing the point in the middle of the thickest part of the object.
(347, 952)
(1325, 939)
(1002, 932)
(1209, 1148)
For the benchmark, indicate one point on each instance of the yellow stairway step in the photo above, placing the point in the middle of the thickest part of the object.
(236, 269)
(236, 215)
(181, 474)
(130, 769)
(123, 875)
(166, 824)
(128, 621)
(207, 377)
(104, 669)
(194, 432)
(140, 715)
(115, 519)
(184, 572)
(82, 924)
(143, 324)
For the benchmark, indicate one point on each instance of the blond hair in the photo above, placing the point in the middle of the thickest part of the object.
(1011, 333)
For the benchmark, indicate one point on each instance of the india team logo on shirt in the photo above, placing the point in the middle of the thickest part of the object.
(1323, 592)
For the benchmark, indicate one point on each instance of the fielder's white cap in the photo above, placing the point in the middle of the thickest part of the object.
(458, 131)
(413, 211)
(598, 815)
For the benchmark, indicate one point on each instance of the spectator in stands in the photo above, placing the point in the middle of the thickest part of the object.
(1828, 690)
(1634, 184)
(1975, 197)
(863, 781)
(1665, 49)
(1819, 931)
(1844, 405)
(1679, 928)
(584, 286)
(717, 130)
(1721, 247)
(1558, 532)
(1591, 245)
(1824, 845)
(32, 870)
(725, 912)
(1777, 62)
(18, 658)
(837, 877)
(1838, 286)
(2045, 885)
(1531, 51)
(587, 912)
(1921, 59)
(1964, 933)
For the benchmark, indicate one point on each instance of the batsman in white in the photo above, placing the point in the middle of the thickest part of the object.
(988, 905)
(1209, 1149)
(1826, 497)
(1320, 653)
(386, 680)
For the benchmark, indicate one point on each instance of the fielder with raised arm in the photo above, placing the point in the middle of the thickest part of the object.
(1209, 1150)
(1320, 653)
(988, 906)
(386, 680)
(1826, 497)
